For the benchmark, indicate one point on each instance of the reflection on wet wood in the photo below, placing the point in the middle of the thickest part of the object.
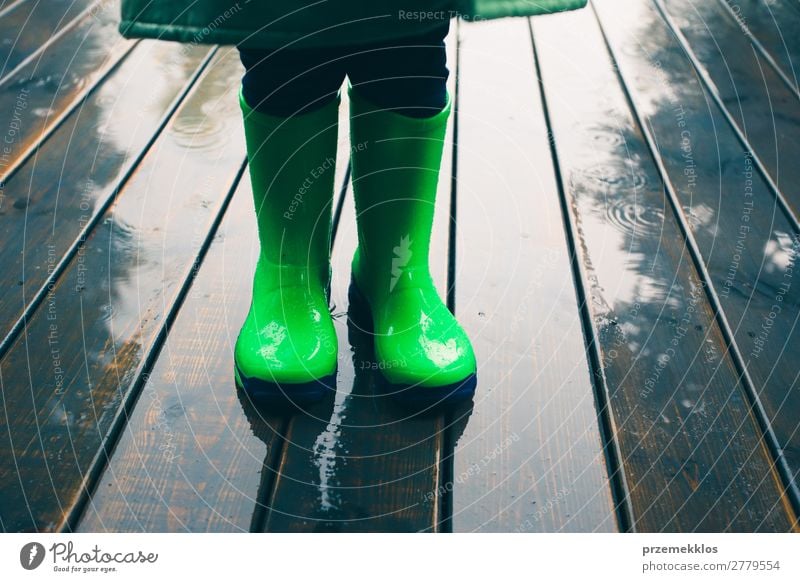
(28, 25)
(194, 457)
(775, 24)
(40, 94)
(84, 348)
(94, 370)
(766, 111)
(200, 485)
(748, 245)
(55, 194)
(358, 462)
(531, 457)
(354, 462)
(692, 453)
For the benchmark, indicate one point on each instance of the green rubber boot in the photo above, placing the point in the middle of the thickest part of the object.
(287, 347)
(421, 350)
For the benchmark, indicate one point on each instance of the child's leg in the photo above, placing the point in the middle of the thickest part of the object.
(408, 75)
(398, 117)
(286, 82)
(286, 348)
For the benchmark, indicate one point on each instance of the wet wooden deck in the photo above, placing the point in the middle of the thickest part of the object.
(617, 230)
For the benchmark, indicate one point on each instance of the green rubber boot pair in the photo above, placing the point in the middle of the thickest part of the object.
(287, 347)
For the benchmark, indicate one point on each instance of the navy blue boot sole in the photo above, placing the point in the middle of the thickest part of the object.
(284, 394)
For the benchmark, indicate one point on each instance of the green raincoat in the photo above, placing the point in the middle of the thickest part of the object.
(310, 23)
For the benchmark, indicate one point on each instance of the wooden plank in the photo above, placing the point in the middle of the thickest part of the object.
(765, 110)
(27, 26)
(223, 452)
(196, 455)
(750, 248)
(354, 462)
(358, 462)
(775, 26)
(38, 95)
(531, 458)
(693, 456)
(58, 192)
(71, 379)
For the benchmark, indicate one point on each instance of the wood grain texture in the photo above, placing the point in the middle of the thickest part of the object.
(358, 462)
(64, 380)
(748, 245)
(55, 194)
(692, 453)
(196, 455)
(531, 457)
(775, 24)
(37, 96)
(355, 462)
(224, 452)
(24, 28)
(538, 176)
(765, 110)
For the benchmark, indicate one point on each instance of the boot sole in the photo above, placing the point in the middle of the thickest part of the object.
(275, 393)
(359, 313)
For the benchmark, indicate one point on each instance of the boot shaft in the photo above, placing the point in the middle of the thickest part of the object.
(292, 163)
(396, 161)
